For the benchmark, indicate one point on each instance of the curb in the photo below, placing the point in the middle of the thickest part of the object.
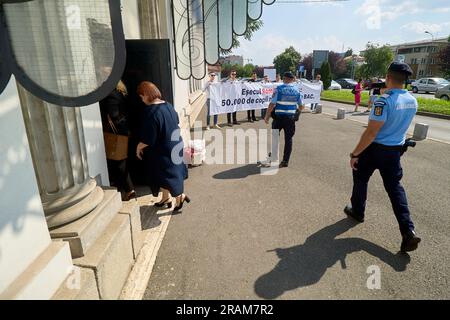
(419, 113)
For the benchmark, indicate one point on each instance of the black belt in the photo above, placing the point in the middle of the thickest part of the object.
(389, 148)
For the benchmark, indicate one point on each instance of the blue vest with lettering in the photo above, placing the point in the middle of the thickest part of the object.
(286, 97)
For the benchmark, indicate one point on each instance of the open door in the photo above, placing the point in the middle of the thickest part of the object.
(147, 60)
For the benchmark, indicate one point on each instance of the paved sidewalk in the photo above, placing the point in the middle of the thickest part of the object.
(248, 236)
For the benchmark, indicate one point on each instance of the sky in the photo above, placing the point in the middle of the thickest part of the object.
(346, 24)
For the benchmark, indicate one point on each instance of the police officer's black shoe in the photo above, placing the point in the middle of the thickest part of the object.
(410, 242)
(349, 211)
(284, 164)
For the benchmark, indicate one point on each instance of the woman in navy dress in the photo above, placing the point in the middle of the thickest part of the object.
(161, 148)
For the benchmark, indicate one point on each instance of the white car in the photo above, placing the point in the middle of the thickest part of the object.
(335, 86)
(429, 84)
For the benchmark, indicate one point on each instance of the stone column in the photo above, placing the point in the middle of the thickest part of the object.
(58, 149)
(149, 19)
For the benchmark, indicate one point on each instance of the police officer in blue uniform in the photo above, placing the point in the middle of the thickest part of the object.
(381, 147)
(286, 102)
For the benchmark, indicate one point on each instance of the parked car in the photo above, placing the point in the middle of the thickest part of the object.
(429, 85)
(443, 93)
(335, 86)
(347, 83)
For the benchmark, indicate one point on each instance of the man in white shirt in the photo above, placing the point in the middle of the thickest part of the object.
(318, 80)
(206, 89)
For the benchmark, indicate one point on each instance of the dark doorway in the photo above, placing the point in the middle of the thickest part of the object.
(147, 60)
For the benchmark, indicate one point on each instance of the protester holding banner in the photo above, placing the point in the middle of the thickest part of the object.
(286, 102)
(264, 110)
(251, 116)
(318, 81)
(206, 88)
(232, 79)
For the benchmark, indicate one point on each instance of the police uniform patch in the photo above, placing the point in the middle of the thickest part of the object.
(378, 111)
(379, 107)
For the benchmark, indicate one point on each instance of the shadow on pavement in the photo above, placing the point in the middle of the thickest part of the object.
(239, 173)
(305, 264)
(150, 216)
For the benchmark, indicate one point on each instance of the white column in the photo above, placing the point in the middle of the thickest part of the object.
(59, 155)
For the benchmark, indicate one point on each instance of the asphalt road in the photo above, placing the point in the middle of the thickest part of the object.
(439, 129)
(249, 236)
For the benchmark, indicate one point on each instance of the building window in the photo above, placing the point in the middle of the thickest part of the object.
(69, 54)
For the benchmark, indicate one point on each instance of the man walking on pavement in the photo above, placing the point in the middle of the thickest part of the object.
(285, 105)
(381, 147)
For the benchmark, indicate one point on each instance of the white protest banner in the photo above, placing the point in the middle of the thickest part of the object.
(310, 92)
(231, 97)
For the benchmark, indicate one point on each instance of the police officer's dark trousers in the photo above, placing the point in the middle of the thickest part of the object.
(288, 125)
(387, 161)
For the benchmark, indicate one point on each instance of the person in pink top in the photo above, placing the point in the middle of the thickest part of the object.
(358, 90)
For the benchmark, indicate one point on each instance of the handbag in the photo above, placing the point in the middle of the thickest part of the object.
(116, 145)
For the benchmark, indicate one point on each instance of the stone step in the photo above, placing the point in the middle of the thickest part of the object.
(80, 285)
(83, 233)
(110, 257)
(44, 276)
(132, 210)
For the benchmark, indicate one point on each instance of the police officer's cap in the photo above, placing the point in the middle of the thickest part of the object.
(288, 75)
(401, 68)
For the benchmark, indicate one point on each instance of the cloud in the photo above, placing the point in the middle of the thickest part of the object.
(421, 27)
(377, 11)
(264, 50)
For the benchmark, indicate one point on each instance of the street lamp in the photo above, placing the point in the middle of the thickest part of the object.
(432, 36)
(432, 40)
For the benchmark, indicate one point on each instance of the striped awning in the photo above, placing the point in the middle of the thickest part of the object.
(203, 27)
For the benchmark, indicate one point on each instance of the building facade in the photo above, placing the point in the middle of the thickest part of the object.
(422, 56)
(64, 232)
(233, 60)
(52, 158)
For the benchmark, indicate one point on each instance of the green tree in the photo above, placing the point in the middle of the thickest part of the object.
(287, 61)
(325, 72)
(252, 27)
(248, 70)
(348, 53)
(377, 60)
(241, 71)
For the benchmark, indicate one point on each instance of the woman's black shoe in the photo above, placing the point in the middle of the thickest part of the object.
(163, 204)
(129, 196)
(180, 207)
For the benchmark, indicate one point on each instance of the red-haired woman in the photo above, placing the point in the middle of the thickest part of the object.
(160, 140)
